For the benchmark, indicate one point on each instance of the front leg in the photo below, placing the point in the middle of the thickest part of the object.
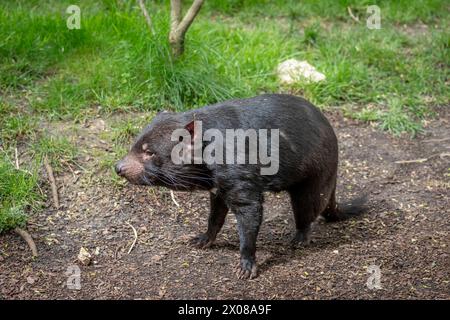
(217, 214)
(249, 218)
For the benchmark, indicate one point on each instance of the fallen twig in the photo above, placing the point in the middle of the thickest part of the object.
(51, 178)
(436, 140)
(135, 237)
(440, 155)
(146, 16)
(412, 161)
(16, 162)
(173, 198)
(351, 14)
(16, 155)
(29, 240)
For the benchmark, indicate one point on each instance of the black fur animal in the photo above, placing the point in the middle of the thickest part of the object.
(308, 162)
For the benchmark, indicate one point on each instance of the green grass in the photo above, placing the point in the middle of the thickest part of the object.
(19, 191)
(18, 194)
(57, 149)
(19, 188)
(395, 76)
(114, 64)
(14, 123)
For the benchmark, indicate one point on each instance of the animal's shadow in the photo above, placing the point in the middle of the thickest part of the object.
(276, 244)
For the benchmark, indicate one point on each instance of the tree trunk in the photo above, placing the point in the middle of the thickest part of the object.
(176, 41)
(179, 27)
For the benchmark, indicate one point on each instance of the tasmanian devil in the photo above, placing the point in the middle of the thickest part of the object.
(288, 145)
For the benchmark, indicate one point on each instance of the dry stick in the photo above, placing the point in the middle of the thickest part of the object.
(351, 14)
(51, 178)
(16, 154)
(173, 198)
(23, 170)
(135, 237)
(412, 161)
(16, 165)
(436, 140)
(146, 16)
(26, 236)
(441, 155)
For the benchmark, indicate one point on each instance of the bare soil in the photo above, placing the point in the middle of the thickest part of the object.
(405, 232)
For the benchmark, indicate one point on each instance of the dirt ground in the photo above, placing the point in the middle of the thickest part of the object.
(405, 233)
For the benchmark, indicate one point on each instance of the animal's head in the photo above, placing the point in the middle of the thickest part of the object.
(150, 160)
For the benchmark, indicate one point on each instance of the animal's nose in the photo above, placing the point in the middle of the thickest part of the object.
(119, 168)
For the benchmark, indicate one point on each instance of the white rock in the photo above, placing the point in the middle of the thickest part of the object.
(84, 256)
(31, 280)
(293, 70)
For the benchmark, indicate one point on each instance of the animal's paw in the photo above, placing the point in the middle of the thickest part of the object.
(246, 269)
(302, 238)
(202, 241)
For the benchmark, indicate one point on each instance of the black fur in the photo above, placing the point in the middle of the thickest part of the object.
(307, 170)
(347, 210)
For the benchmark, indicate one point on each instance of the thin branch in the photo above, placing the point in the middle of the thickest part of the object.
(412, 161)
(351, 14)
(51, 178)
(29, 240)
(173, 198)
(146, 16)
(436, 140)
(16, 154)
(440, 155)
(190, 15)
(135, 237)
(175, 13)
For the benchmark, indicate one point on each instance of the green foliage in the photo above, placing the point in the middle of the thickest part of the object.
(14, 124)
(18, 193)
(114, 64)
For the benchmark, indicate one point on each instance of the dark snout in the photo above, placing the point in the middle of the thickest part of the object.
(119, 168)
(131, 169)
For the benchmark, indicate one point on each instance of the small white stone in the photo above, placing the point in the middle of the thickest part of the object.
(84, 256)
(293, 70)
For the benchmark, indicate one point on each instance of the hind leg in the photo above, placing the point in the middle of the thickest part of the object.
(304, 215)
(331, 212)
(308, 201)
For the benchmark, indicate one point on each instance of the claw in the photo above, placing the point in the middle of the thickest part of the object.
(301, 239)
(201, 241)
(246, 269)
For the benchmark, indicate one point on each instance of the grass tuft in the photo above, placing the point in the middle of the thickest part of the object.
(18, 194)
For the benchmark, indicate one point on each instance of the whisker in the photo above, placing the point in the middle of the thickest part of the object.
(190, 174)
(172, 177)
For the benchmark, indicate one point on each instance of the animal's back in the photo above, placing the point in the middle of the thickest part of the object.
(307, 143)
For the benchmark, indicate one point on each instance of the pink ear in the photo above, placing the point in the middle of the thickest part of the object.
(190, 127)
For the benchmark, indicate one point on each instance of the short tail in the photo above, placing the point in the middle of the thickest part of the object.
(348, 210)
